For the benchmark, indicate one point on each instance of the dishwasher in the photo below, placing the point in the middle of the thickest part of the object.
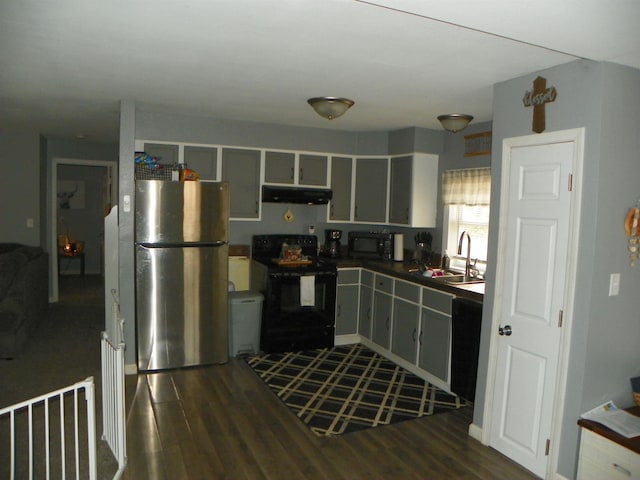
(465, 344)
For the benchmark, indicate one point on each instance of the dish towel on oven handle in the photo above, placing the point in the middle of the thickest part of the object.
(307, 290)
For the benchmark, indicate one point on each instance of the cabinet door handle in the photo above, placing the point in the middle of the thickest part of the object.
(339, 309)
(387, 323)
(413, 335)
(292, 172)
(369, 313)
(621, 469)
(301, 175)
(355, 212)
(256, 207)
(420, 338)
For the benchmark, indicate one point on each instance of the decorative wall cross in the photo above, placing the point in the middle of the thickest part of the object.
(538, 97)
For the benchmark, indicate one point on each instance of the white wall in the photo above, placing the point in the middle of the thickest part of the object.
(20, 194)
(605, 99)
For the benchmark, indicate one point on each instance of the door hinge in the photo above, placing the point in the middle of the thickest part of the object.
(547, 447)
(570, 182)
(560, 319)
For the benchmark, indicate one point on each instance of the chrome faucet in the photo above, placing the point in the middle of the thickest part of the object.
(467, 265)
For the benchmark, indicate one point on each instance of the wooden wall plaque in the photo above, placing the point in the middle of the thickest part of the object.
(477, 144)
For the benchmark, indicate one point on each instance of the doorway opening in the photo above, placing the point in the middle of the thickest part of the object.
(82, 193)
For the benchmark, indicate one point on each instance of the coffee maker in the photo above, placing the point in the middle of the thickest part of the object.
(332, 243)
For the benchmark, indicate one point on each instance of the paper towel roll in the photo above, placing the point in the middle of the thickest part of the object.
(398, 247)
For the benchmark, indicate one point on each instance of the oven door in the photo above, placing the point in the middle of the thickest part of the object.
(299, 311)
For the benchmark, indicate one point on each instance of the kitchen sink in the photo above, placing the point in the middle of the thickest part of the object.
(459, 279)
(453, 279)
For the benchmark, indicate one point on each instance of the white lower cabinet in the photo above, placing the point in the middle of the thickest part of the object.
(405, 329)
(347, 301)
(435, 344)
(405, 321)
(381, 328)
(602, 458)
(365, 313)
(347, 309)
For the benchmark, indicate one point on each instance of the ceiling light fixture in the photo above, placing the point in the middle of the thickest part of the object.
(330, 107)
(454, 122)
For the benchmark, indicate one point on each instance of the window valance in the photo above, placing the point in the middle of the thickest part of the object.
(469, 186)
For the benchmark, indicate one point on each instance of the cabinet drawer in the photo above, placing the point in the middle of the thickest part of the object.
(436, 300)
(384, 284)
(366, 278)
(408, 291)
(346, 277)
(601, 458)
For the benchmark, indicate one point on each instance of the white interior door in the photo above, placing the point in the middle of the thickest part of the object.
(532, 280)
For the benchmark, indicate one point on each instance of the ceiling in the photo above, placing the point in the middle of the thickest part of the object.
(66, 64)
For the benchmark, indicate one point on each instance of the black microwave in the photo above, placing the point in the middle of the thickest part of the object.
(378, 245)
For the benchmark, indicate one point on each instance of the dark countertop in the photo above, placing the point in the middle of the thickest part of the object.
(403, 271)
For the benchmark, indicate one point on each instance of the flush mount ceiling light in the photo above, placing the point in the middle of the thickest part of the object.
(454, 122)
(330, 107)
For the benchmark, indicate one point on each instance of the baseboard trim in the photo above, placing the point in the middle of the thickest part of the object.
(130, 369)
(475, 432)
(346, 339)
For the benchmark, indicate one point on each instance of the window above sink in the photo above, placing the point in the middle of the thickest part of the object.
(466, 194)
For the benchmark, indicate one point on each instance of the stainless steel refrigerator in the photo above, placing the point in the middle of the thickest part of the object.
(181, 237)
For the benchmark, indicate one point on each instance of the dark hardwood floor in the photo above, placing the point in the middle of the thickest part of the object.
(222, 422)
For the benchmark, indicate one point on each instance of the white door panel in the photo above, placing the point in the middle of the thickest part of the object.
(530, 297)
(533, 275)
(526, 392)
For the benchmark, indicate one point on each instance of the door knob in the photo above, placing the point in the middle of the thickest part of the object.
(506, 330)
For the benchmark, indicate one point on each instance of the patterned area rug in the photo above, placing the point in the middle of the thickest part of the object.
(348, 388)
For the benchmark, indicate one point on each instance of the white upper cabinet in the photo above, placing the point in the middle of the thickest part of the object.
(413, 190)
(341, 175)
(312, 170)
(371, 190)
(290, 168)
(280, 167)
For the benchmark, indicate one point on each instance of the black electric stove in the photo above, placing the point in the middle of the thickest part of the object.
(299, 307)
(266, 249)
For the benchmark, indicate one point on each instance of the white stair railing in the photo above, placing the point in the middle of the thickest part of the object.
(52, 435)
(113, 408)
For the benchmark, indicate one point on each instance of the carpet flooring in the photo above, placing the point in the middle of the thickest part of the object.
(348, 388)
(64, 349)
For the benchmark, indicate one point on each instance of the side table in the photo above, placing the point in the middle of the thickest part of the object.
(605, 454)
(79, 256)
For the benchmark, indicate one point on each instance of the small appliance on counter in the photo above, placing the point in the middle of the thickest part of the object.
(332, 243)
(373, 245)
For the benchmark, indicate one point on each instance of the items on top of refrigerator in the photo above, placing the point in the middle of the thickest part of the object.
(148, 167)
(143, 158)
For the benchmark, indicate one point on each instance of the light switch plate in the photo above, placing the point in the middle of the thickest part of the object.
(614, 284)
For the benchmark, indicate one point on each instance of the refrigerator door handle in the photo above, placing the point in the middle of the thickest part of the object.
(217, 243)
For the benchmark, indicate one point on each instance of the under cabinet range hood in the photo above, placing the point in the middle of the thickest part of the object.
(310, 196)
